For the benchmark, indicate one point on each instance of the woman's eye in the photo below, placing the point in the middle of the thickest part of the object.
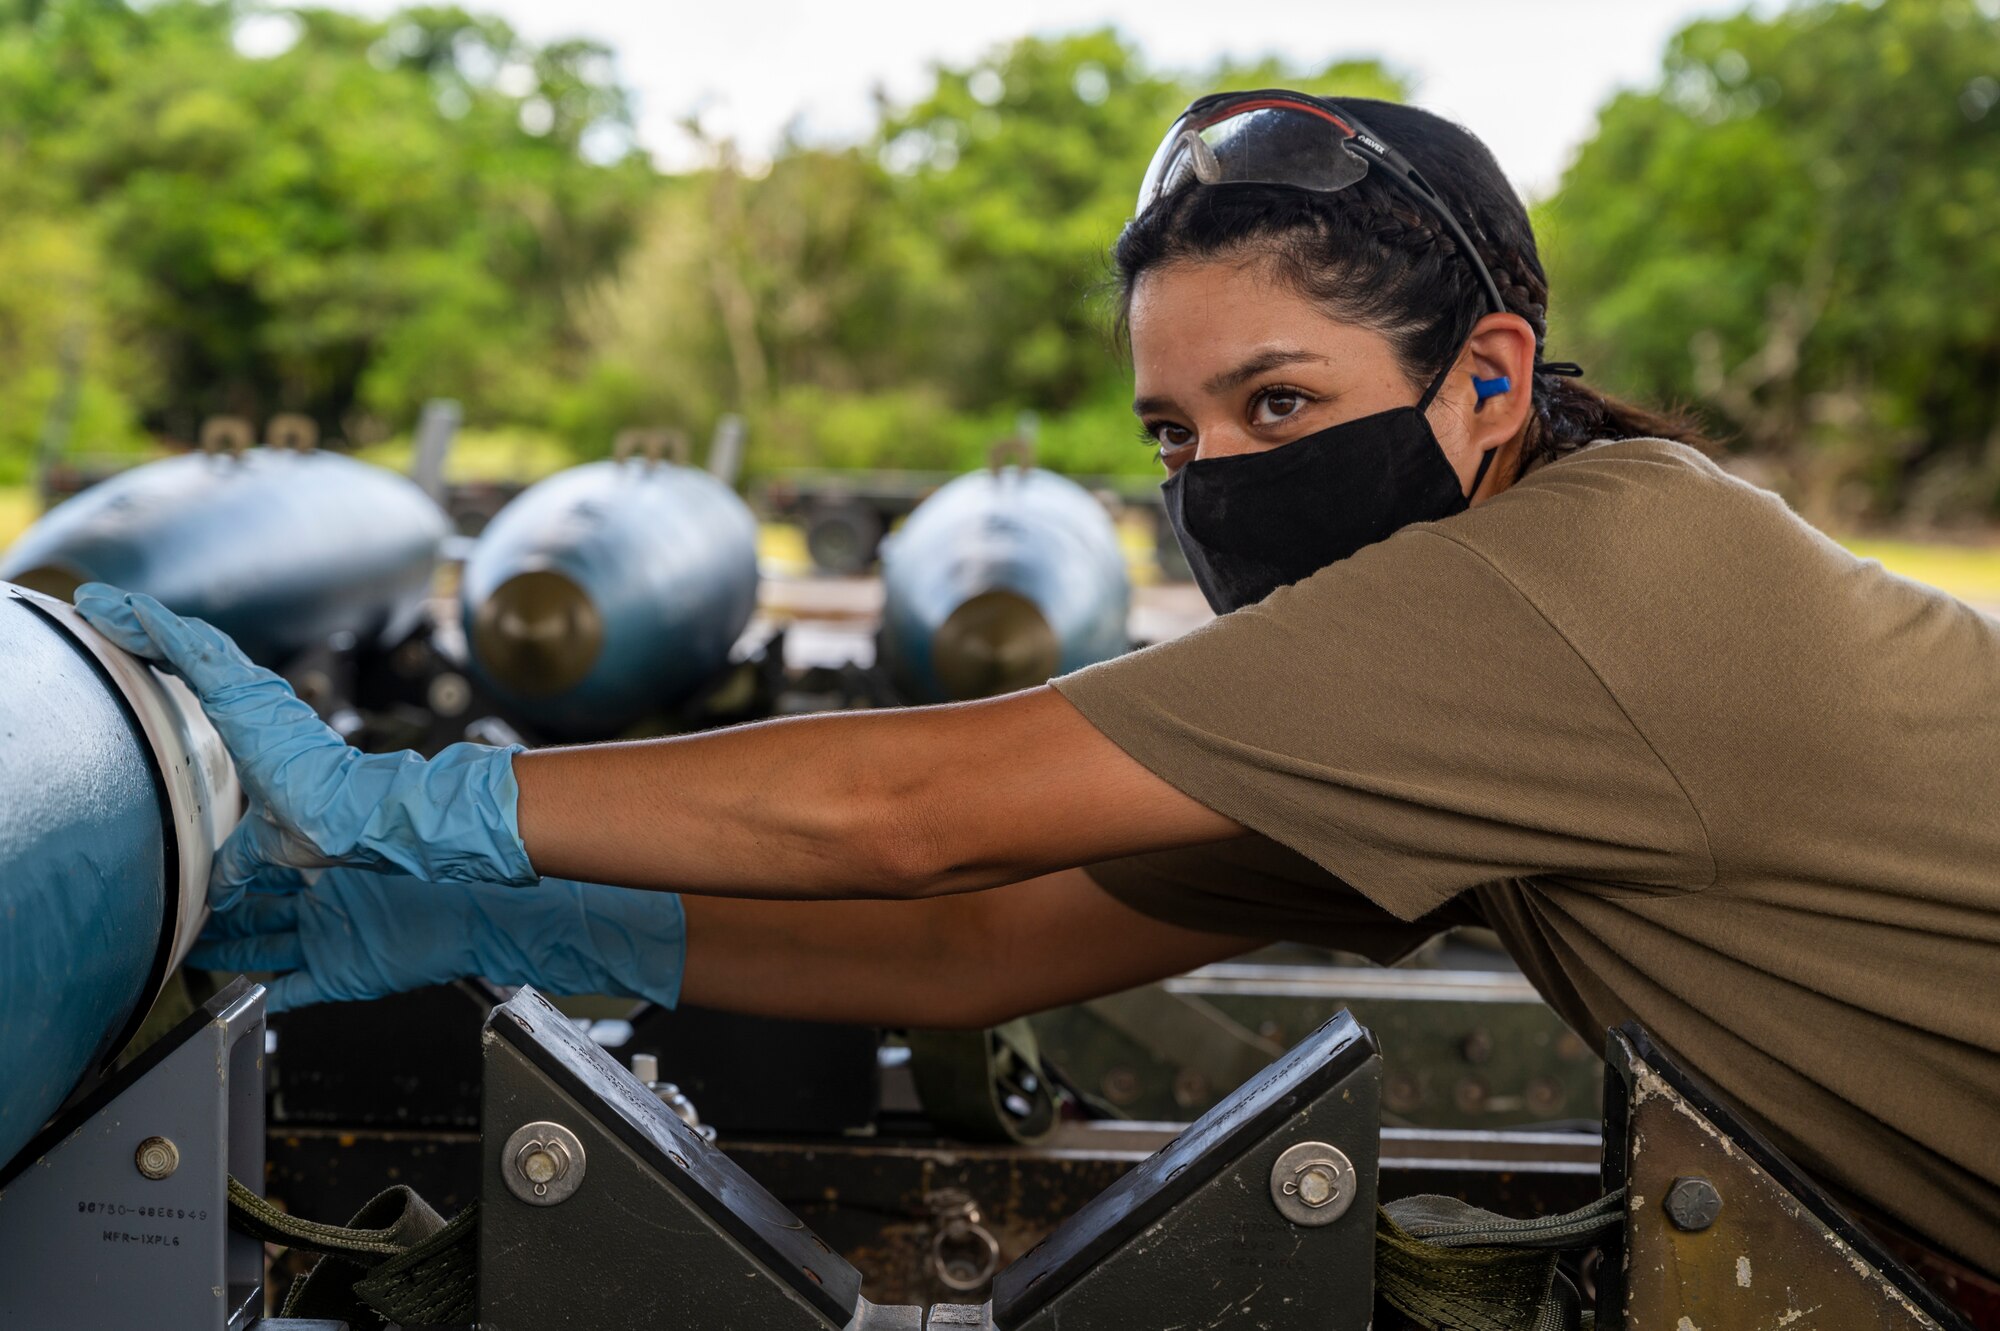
(1274, 405)
(1168, 435)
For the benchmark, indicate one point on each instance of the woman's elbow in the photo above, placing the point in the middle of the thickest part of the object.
(899, 847)
(905, 859)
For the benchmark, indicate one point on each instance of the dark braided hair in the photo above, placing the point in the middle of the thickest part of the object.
(1370, 255)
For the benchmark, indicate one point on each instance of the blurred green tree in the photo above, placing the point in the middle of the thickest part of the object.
(1794, 230)
(900, 301)
(1799, 231)
(379, 212)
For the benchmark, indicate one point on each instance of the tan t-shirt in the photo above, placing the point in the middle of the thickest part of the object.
(1697, 765)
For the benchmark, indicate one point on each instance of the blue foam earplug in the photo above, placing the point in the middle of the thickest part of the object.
(1486, 388)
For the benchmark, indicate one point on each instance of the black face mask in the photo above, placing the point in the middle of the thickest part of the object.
(1255, 522)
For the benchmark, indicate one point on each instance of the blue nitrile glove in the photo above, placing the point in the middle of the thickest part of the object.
(354, 934)
(315, 800)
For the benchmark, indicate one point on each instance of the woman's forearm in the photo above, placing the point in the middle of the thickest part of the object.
(969, 960)
(890, 804)
(876, 963)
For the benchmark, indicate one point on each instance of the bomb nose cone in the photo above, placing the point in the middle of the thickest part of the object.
(538, 633)
(54, 580)
(994, 643)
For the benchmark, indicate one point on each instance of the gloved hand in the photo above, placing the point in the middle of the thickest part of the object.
(316, 801)
(353, 934)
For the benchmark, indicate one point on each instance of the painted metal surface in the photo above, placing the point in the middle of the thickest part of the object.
(203, 796)
(999, 581)
(609, 591)
(91, 1237)
(279, 549)
(83, 880)
(1770, 1249)
(103, 860)
(717, 1251)
(1468, 1049)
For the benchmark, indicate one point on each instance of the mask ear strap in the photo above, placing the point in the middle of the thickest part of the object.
(1430, 394)
(1479, 476)
(1424, 404)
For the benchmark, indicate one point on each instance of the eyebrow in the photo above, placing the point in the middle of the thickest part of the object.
(1269, 359)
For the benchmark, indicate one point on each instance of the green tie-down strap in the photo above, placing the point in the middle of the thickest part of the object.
(1440, 1264)
(1444, 1265)
(396, 1261)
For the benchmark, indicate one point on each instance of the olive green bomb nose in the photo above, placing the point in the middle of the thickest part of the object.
(50, 580)
(994, 643)
(538, 633)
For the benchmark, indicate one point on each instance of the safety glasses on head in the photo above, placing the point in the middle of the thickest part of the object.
(1278, 137)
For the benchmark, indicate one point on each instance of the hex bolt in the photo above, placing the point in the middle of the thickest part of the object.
(157, 1158)
(1693, 1203)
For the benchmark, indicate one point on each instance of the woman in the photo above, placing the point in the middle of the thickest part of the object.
(1494, 649)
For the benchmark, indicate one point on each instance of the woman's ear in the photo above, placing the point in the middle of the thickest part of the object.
(1488, 392)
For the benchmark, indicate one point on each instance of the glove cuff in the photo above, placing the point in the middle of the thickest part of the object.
(640, 937)
(452, 819)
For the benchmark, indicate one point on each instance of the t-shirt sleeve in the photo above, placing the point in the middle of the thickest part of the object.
(1256, 888)
(1407, 720)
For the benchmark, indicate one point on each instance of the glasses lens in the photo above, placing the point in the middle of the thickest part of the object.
(1272, 145)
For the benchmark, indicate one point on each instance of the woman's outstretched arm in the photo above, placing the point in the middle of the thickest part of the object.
(894, 804)
(898, 804)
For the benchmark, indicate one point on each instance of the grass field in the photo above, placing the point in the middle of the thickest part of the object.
(1970, 572)
(17, 510)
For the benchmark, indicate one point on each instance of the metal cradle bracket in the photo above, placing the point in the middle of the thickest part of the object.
(1261, 1214)
(117, 1216)
(1723, 1230)
(600, 1209)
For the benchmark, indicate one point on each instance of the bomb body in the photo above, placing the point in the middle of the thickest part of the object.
(999, 581)
(113, 795)
(281, 550)
(608, 592)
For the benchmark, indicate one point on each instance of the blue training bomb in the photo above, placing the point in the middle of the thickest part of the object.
(608, 592)
(114, 793)
(279, 549)
(999, 581)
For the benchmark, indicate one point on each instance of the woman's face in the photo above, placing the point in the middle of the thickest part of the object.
(1227, 360)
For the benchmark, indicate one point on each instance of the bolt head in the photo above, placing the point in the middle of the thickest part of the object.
(1693, 1203)
(1401, 1092)
(540, 1166)
(1317, 1186)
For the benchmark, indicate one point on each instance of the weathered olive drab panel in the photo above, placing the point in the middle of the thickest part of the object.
(686, 1240)
(1717, 1238)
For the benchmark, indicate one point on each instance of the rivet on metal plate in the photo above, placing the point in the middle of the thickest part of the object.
(157, 1158)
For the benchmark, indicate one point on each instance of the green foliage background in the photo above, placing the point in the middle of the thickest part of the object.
(1793, 231)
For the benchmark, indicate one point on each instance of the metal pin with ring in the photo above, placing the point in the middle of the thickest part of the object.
(542, 1163)
(1313, 1184)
